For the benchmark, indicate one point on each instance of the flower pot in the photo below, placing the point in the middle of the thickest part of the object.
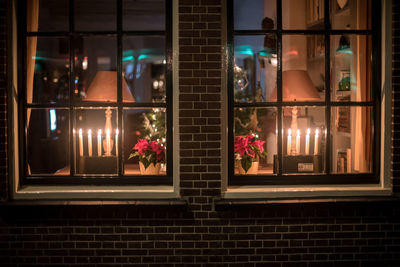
(253, 169)
(150, 170)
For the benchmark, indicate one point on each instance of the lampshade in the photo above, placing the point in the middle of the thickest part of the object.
(104, 88)
(297, 86)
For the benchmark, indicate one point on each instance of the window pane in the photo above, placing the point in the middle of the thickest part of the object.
(95, 69)
(95, 15)
(352, 139)
(95, 140)
(143, 15)
(144, 64)
(255, 127)
(255, 68)
(303, 66)
(148, 124)
(351, 67)
(303, 140)
(351, 14)
(303, 14)
(47, 15)
(47, 141)
(255, 14)
(47, 70)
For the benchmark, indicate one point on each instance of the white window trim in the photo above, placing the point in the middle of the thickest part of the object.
(35, 192)
(384, 188)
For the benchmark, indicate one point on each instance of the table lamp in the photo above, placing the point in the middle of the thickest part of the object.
(103, 88)
(296, 87)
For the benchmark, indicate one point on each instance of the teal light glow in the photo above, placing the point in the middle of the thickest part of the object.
(244, 50)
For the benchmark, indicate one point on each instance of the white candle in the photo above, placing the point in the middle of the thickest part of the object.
(116, 142)
(316, 142)
(108, 143)
(99, 143)
(308, 142)
(89, 139)
(80, 143)
(289, 141)
(298, 142)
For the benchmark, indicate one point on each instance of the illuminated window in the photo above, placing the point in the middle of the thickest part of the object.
(97, 92)
(304, 98)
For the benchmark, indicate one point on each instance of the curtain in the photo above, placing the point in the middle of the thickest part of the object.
(32, 22)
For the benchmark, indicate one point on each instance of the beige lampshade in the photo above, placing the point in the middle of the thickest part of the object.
(297, 86)
(104, 88)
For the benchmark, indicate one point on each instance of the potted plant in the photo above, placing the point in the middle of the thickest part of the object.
(248, 150)
(151, 154)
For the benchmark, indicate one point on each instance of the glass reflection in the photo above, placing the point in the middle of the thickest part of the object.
(263, 14)
(95, 16)
(351, 14)
(47, 141)
(143, 15)
(352, 139)
(144, 125)
(255, 68)
(255, 140)
(303, 14)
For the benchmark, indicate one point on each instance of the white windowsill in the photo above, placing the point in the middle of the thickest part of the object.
(248, 192)
(96, 192)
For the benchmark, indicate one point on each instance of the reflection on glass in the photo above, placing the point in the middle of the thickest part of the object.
(47, 70)
(47, 141)
(303, 140)
(143, 126)
(47, 15)
(352, 139)
(303, 14)
(95, 66)
(255, 140)
(303, 66)
(350, 14)
(263, 14)
(96, 140)
(143, 15)
(144, 65)
(255, 68)
(351, 67)
(95, 16)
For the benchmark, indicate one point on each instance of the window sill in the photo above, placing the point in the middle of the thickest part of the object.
(257, 192)
(95, 192)
(226, 204)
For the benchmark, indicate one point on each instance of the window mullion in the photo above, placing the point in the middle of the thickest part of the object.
(279, 85)
(119, 86)
(328, 152)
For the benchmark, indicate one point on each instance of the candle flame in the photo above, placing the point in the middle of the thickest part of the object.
(90, 132)
(80, 132)
(116, 131)
(290, 131)
(316, 132)
(308, 131)
(298, 132)
(99, 132)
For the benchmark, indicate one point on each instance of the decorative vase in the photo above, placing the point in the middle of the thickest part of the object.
(253, 169)
(150, 170)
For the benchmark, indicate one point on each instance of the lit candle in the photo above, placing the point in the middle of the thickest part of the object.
(298, 142)
(308, 142)
(316, 142)
(80, 143)
(89, 139)
(99, 143)
(116, 142)
(289, 141)
(108, 143)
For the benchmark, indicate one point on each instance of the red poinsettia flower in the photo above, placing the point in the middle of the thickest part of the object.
(158, 148)
(242, 145)
(259, 144)
(141, 145)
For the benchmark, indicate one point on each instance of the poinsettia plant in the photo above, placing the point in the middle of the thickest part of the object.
(248, 149)
(149, 152)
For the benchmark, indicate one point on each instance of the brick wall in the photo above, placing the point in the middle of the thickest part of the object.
(286, 234)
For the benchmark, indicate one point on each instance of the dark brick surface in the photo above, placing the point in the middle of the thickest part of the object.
(288, 234)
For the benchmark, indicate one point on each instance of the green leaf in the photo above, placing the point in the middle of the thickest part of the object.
(246, 163)
(145, 162)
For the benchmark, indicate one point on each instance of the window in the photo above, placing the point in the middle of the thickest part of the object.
(95, 82)
(304, 100)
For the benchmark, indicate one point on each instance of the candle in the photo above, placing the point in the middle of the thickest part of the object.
(316, 142)
(80, 143)
(298, 142)
(116, 142)
(289, 141)
(108, 143)
(89, 139)
(99, 143)
(308, 142)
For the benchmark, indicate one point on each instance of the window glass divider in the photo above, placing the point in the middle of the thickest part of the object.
(327, 88)
(119, 88)
(279, 86)
(169, 88)
(230, 47)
